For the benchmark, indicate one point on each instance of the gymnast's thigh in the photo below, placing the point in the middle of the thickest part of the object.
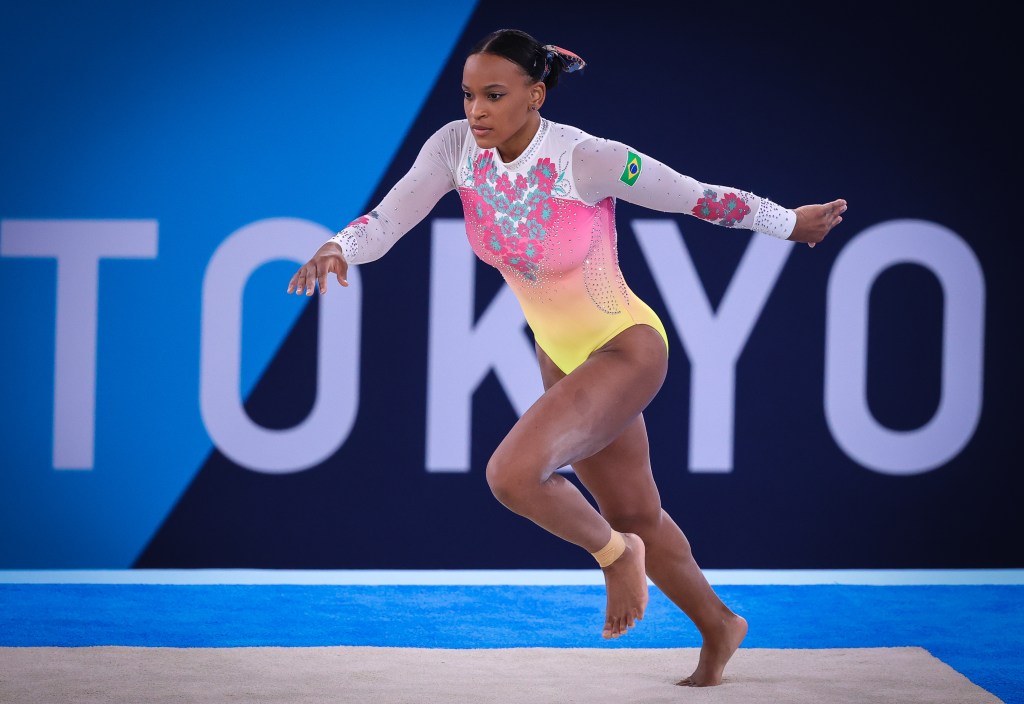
(619, 476)
(582, 412)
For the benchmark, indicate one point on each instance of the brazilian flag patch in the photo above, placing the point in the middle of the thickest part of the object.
(632, 171)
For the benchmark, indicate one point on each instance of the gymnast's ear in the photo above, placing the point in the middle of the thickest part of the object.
(538, 92)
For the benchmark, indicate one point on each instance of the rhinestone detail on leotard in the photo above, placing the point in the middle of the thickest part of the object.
(772, 219)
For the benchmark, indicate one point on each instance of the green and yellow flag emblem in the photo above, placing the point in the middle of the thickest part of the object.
(632, 171)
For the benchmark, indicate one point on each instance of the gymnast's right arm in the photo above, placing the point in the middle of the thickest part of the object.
(368, 237)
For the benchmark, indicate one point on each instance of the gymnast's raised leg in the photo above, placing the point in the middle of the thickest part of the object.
(572, 420)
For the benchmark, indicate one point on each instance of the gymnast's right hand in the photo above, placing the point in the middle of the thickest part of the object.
(328, 259)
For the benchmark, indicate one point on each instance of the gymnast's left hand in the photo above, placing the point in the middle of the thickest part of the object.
(813, 222)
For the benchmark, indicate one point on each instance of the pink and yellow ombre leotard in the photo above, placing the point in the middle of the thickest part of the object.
(546, 221)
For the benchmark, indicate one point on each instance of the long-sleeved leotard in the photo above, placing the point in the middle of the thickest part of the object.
(546, 221)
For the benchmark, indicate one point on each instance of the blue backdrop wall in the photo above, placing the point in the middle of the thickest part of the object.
(163, 169)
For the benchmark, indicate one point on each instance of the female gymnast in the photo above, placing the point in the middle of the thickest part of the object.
(539, 202)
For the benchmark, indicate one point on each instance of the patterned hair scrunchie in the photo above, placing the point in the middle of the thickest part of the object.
(570, 61)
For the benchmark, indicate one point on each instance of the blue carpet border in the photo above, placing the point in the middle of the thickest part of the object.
(977, 630)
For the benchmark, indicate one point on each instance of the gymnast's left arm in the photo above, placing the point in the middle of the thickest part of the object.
(603, 168)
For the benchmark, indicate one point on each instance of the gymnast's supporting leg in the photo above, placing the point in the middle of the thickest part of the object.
(570, 421)
(620, 479)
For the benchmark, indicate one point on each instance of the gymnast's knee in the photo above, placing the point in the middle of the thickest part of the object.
(508, 485)
(642, 520)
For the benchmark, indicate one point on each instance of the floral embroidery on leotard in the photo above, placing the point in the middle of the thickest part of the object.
(512, 214)
(727, 212)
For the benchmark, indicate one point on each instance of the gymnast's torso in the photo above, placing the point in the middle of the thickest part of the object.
(555, 250)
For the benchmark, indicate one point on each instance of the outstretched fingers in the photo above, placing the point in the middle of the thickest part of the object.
(342, 275)
(325, 267)
(306, 278)
(298, 282)
(835, 212)
(831, 215)
(313, 274)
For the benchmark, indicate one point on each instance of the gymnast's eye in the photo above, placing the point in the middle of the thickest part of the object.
(494, 96)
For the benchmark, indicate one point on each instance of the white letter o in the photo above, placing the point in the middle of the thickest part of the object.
(857, 267)
(337, 396)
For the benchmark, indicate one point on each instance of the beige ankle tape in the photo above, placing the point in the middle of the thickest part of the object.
(612, 551)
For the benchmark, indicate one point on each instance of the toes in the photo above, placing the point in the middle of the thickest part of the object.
(611, 629)
(616, 627)
(690, 682)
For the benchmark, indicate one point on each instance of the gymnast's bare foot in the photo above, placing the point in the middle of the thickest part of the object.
(625, 581)
(716, 651)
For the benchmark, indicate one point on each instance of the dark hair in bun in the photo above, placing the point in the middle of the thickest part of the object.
(540, 62)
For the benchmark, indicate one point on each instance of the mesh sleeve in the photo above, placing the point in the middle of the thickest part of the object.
(369, 237)
(603, 168)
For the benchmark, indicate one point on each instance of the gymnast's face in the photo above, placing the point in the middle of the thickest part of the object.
(498, 96)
